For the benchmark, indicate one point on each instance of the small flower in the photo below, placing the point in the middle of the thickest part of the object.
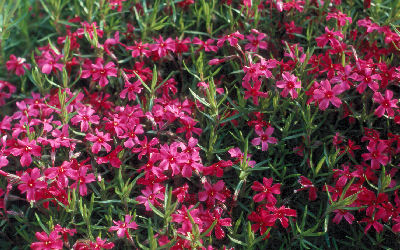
(47, 242)
(213, 192)
(123, 226)
(386, 103)
(31, 184)
(18, 65)
(307, 184)
(267, 191)
(102, 72)
(25, 149)
(289, 84)
(100, 140)
(264, 137)
(325, 94)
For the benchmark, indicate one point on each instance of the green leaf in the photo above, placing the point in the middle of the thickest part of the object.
(41, 224)
(200, 99)
(237, 241)
(155, 210)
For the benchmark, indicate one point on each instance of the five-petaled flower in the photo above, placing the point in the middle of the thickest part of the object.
(264, 137)
(100, 140)
(122, 226)
(266, 190)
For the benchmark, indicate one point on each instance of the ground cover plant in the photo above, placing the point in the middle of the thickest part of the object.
(199, 124)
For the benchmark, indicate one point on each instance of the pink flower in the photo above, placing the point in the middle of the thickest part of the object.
(162, 47)
(340, 213)
(366, 79)
(85, 117)
(264, 137)
(139, 49)
(256, 42)
(267, 191)
(31, 184)
(325, 94)
(102, 72)
(82, 179)
(376, 154)
(101, 244)
(47, 242)
(386, 103)
(18, 65)
(181, 217)
(289, 84)
(307, 184)
(207, 45)
(131, 89)
(100, 140)
(123, 226)
(329, 36)
(25, 149)
(49, 62)
(280, 214)
(231, 38)
(151, 195)
(253, 91)
(112, 158)
(216, 215)
(213, 192)
(340, 17)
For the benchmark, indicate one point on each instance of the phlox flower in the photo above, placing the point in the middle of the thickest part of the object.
(264, 137)
(325, 94)
(266, 190)
(122, 226)
(289, 84)
(387, 104)
(18, 65)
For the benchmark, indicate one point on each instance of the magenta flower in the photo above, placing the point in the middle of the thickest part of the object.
(47, 242)
(231, 38)
(18, 65)
(85, 117)
(131, 89)
(213, 192)
(162, 47)
(342, 213)
(329, 36)
(100, 140)
(340, 17)
(325, 94)
(102, 72)
(376, 154)
(216, 215)
(139, 49)
(152, 195)
(253, 91)
(25, 149)
(49, 62)
(289, 84)
(101, 244)
(207, 45)
(386, 103)
(82, 179)
(123, 226)
(264, 137)
(30, 184)
(256, 42)
(366, 79)
(267, 191)
(181, 216)
(112, 158)
(280, 214)
(307, 184)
